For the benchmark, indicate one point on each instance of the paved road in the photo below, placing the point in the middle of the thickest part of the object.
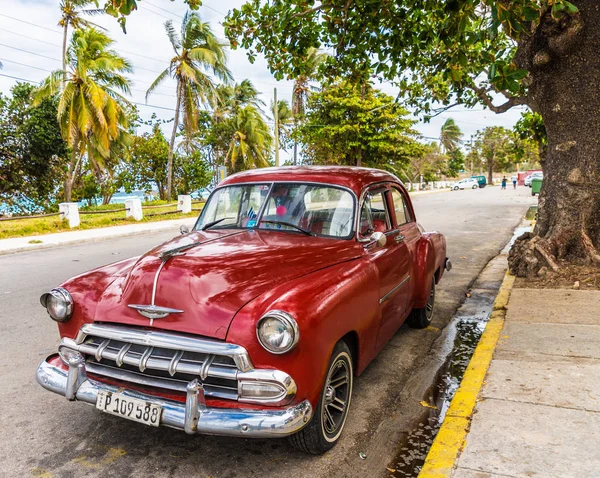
(42, 434)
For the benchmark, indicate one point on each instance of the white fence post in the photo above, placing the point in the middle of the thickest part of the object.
(134, 209)
(70, 211)
(184, 203)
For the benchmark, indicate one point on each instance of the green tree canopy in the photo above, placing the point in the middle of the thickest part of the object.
(499, 53)
(354, 125)
(32, 151)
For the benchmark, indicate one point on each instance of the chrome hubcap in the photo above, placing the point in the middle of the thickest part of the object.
(337, 391)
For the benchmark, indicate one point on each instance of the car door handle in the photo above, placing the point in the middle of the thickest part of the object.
(399, 238)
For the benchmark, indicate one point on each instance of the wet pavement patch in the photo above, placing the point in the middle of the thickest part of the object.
(469, 323)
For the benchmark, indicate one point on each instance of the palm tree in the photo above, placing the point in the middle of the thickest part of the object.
(450, 135)
(250, 143)
(91, 109)
(285, 118)
(198, 54)
(71, 11)
(314, 59)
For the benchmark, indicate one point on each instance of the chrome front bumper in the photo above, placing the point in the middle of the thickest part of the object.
(192, 416)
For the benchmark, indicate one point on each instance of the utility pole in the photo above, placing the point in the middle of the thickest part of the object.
(276, 115)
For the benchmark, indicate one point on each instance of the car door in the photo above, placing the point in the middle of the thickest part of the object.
(409, 236)
(390, 260)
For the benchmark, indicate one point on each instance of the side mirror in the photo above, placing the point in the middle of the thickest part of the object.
(183, 229)
(378, 238)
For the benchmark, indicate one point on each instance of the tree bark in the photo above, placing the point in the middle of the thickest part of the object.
(64, 54)
(491, 170)
(70, 178)
(172, 143)
(295, 153)
(566, 91)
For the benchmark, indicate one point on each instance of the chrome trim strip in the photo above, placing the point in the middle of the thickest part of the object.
(388, 295)
(167, 340)
(217, 391)
(214, 421)
(174, 361)
(206, 366)
(144, 358)
(122, 353)
(100, 349)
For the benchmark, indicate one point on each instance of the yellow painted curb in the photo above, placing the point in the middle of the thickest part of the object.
(450, 440)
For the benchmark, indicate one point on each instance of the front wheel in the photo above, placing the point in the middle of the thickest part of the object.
(326, 425)
(421, 318)
(475, 187)
(456, 188)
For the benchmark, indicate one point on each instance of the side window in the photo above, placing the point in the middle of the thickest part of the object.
(374, 214)
(400, 207)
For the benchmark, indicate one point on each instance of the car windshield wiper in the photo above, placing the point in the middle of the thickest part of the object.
(211, 224)
(283, 223)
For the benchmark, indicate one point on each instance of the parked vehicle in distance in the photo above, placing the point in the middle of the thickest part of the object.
(481, 180)
(468, 183)
(536, 175)
(256, 322)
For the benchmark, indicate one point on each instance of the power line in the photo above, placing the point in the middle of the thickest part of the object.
(57, 45)
(20, 79)
(132, 102)
(50, 71)
(30, 52)
(23, 64)
(147, 2)
(29, 23)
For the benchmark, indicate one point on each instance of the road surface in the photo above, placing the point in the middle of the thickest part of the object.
(42, 434)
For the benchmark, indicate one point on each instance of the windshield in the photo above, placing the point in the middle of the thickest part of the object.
(302, 208)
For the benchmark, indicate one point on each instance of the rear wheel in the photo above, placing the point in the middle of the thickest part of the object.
(475, 187)
(326, 425)
(421, 318)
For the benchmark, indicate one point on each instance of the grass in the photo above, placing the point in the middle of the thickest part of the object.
(49, 225)
(531, 213)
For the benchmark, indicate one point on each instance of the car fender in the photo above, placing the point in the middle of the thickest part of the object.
(429, 257)
(86, 290)
(327, 305)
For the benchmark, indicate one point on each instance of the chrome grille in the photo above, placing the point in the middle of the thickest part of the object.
(158, 366)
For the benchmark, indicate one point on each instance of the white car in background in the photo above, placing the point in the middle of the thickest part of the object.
(536, 175)
(469, 183)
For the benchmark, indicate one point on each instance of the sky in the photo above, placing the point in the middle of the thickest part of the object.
(30, 47)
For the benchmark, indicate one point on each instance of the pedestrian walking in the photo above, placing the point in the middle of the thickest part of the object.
(514, 181)
(504, 182)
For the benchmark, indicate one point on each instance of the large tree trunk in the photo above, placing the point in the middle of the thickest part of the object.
(64, 54)
(172, 143)
(490, 171)
(295, 153)
(566, 91)
(71, 174)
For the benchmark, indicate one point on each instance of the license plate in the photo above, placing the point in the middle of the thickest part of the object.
(130, 408)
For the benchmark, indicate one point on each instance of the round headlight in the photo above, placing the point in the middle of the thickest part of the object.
(58, 303)
(277, 331)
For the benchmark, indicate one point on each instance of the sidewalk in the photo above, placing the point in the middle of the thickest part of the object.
(20, 244)
(538, 412)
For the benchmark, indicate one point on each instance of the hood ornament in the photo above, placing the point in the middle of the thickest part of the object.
(153, 311)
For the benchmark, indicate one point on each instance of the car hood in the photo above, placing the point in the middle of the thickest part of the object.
(212, 280)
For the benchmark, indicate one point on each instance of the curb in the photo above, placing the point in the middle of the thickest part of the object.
(83, 240)
(451, 438)
(434, 191)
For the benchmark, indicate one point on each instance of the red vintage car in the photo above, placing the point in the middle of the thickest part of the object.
(256, 322)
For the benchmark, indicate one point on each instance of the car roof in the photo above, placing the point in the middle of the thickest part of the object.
(354, 178)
